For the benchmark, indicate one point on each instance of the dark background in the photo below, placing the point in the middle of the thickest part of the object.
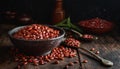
(78, 9)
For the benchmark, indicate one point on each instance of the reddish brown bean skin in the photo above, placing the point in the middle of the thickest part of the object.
(36, 32)
(84, 61)
(75, 62)
(71, 64)
(96, 25)
(58, 54)
(56, 62)
(72, 42)
(92, 49)
(66, 67)
(97, 52)
(87, 36)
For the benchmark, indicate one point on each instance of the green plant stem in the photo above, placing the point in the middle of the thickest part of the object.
(67, 23)
(80, 35)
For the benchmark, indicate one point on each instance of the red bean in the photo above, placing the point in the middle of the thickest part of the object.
(76, 62)
(35, 32)
(92, 49)
(71, 64)
(85, 61)
(18, 67)
(60, 58)
(66, 67)
(25, 63)
(56, 62)
(41, 62)
(48, 60)
(30, 60)
(97, 52)
(16, 59)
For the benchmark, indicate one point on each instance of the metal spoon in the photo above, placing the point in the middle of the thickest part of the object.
(102, 60)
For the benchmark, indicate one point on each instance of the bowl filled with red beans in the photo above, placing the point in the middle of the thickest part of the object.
(36, 39)
(96, 25)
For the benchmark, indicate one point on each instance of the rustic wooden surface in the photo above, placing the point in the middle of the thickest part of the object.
(108, 45)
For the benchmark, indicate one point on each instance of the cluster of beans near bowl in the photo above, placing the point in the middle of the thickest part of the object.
(72, 42)
(58, 53)
(36, 32)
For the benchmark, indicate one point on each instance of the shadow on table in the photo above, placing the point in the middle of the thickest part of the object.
(5, 53)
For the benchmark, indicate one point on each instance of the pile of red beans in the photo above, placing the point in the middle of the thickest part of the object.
(36, 32)
(72, 42)
(96, 25)
(58, 53)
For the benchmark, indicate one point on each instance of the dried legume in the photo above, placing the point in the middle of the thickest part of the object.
(36, 32)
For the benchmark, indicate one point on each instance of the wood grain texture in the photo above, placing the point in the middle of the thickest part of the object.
(108, 45)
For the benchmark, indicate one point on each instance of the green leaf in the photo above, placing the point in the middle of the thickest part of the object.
(62, 23)
(72, 25)
(69, 22)
(76, 28)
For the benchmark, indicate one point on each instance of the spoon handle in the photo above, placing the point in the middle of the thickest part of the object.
(100, 58)
(103, 61)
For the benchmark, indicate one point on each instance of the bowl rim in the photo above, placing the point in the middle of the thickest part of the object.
(10, 32)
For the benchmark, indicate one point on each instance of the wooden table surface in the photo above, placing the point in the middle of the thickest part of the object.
(108, 45)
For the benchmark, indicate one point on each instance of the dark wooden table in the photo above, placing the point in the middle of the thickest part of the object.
(108, 45)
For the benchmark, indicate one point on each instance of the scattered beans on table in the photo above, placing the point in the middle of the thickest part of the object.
(88, 36)
(97, 52)
(71, 64)
(92, 49)
(58, 53)
(66, 67)
(75, 62)
(56, 62)
(84, 61)
(18, 67)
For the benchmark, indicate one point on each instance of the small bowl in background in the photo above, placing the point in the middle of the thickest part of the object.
(36, 47)
(96, 25)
